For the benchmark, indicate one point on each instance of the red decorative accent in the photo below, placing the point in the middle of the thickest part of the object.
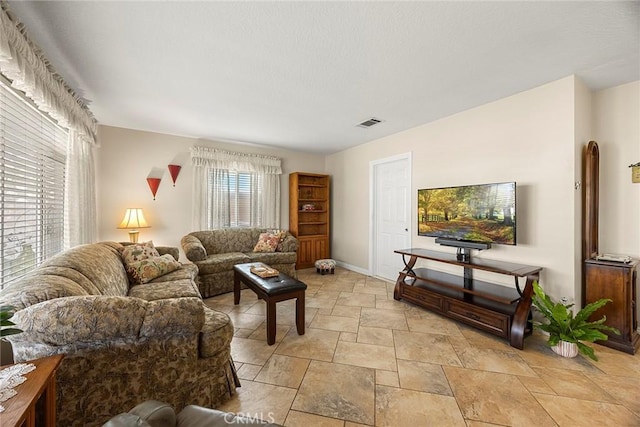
(153, 185)
(174, 170)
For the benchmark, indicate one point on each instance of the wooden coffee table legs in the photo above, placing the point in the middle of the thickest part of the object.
(271, 313)
(271, 301)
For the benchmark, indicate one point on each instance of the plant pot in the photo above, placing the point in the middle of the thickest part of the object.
(565, 349)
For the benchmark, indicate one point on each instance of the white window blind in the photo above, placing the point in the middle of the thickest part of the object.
(32, 178)
(238, 195)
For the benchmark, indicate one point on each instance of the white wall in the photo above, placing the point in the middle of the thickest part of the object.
(125, 158)
(528, 138)
(616, 118)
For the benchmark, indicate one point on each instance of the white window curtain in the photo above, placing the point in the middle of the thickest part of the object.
(23, 63)
(223, 180)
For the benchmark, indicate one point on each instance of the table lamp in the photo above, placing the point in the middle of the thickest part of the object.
(133, 219)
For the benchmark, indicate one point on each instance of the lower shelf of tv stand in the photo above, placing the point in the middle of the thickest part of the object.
(491, 308)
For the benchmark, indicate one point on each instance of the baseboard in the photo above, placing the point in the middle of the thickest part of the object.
(352, 268)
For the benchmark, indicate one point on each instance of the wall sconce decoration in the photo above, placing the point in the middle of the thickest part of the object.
(153, 179)
(154, 183)
(635, 173)
(133, 219)
(174, 170)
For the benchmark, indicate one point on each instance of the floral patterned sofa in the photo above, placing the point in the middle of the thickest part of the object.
(215, 252)
(122, 343)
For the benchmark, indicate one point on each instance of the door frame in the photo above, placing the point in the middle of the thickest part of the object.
(373, 199)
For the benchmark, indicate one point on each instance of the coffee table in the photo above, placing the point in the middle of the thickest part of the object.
(271, 290)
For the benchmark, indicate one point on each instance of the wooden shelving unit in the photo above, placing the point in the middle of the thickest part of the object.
(309, 213)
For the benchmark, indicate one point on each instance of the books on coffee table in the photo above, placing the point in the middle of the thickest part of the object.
(264, 271)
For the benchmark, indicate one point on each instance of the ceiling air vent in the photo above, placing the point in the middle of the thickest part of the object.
(369, 122)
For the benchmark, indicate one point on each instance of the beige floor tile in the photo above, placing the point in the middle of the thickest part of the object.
(260, 333)
(570, 412)
(320, 302)
(377, 336)
(617, 363)
(355, 401)
(284, 371)
(573, 384)
(381, 318)
(428, 355)
(242, 333)
(342, 286)
(246, 350)
(492, 360)
(245, 321)
(388, 378)
(440, 325)
(425, 348)
(536, 385)
(248, 371)
(399, 407)
(335, 323)
(356, 300)
(265, 401)
(316, 344)
(495, 398)
(625, 389)
(481, 339)
(302, 419)
(420, 376)
(346, 311)
(365, 355)
(348, 336)
(389, 304)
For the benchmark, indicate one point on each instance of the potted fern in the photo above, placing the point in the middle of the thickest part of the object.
(6, 325)
(567, 333)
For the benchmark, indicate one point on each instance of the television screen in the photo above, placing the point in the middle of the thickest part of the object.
(473, 213)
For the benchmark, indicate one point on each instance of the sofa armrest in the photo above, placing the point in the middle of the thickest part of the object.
(97, 318)
(171, 250)
(288, 244)
(193, 248)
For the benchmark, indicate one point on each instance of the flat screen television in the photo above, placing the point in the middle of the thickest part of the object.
(484, 213)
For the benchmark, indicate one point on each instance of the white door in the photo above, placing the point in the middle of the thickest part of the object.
(390, 216)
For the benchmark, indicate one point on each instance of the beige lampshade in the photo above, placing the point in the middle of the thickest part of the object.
(133, 219)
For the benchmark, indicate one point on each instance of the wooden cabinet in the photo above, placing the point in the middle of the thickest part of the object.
(500, 310)
(309, 214)
(618, 282)
(37, 392)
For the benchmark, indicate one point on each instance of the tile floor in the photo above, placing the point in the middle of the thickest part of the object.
(367, 359)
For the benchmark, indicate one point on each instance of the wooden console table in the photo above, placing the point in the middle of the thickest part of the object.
(40, 386)
(500, 310)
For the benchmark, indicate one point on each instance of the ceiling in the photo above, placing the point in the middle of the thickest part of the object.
(302, 75)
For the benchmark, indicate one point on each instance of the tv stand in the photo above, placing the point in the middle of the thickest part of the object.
(500, 310)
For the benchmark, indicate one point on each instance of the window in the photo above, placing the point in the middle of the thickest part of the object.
(236, 199)
(32, 182)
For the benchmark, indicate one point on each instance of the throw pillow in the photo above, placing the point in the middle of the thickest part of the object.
(138, 252)
(268, 242)
(145, 270)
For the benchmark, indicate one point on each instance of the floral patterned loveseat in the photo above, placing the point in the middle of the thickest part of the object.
(215, 252)
(123, 344)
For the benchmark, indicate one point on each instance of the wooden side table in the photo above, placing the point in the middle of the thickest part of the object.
(20, 410)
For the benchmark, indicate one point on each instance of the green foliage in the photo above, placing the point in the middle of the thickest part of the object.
(6, 311)
(563, 325)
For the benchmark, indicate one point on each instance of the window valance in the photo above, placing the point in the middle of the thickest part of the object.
(246, 162)
(23, 63)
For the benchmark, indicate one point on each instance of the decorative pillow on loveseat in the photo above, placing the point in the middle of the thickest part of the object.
(145, 270)
(268, 242)
(138, 252)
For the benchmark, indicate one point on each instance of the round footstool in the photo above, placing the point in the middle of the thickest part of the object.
(324, 266)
